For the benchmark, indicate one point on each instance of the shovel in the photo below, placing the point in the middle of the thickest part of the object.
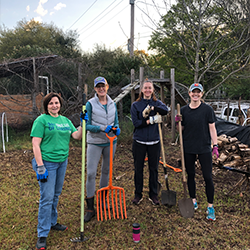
(186, 205)
(168, 197)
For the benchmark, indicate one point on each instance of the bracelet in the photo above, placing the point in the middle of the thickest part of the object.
(215, 145)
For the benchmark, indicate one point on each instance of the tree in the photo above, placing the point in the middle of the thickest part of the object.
(115, 65)
(206, 39)
(31, 38)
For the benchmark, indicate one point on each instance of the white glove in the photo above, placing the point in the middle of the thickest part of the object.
(146, 111)
(155, 119)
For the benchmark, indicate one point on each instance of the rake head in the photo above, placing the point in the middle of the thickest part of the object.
(115, 197)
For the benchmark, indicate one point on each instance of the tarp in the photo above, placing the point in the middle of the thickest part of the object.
(242, 133)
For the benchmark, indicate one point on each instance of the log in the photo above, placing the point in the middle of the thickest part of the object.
(223, 138)
(228, 147)
(236, 157)
(241, 145)
(233, 153)
(233, 139)
(233, 163)
(222, 157)
(246, 159)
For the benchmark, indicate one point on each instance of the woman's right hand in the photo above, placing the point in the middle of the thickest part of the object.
(178, 118)
(108, 129)
(146, 111)
(41, 173)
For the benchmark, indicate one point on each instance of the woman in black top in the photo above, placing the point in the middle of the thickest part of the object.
(198, 124)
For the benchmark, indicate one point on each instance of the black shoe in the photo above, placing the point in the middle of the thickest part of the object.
(137, 200)
(154, 200)
(41, 243)
(59, 227)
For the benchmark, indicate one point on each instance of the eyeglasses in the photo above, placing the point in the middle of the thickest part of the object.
(101, 86)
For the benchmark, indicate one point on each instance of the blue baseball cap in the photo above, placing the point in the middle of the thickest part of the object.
(100, 79)
(196, 86)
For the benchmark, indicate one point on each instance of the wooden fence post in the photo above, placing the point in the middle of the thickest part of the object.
(132, 90)
(141, 77)
(172, 79)
(34, 90)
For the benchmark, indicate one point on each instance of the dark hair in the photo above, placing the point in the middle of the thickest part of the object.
(141, 94)
(48, 98)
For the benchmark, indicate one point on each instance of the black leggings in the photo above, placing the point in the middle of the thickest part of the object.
(139, 153)
(206, 167)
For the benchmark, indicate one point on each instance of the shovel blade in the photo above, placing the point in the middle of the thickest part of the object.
(168, 197)
(186, 207)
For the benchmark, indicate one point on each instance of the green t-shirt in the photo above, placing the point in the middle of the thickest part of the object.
(55, 133)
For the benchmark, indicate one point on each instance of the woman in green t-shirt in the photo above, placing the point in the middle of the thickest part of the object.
(51, 134)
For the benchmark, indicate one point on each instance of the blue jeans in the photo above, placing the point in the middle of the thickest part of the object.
(49, 195)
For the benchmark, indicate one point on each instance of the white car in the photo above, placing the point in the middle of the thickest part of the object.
(234, 113)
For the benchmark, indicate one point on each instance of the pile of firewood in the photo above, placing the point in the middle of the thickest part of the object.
(232, 152)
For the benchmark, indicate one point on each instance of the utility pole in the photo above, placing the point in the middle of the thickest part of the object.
(131, 40)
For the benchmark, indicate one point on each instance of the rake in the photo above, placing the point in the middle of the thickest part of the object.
(82, 238)
(111, 192)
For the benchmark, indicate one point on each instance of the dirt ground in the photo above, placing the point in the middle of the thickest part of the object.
(161, 227)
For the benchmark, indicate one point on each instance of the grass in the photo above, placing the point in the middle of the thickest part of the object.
(161, 227)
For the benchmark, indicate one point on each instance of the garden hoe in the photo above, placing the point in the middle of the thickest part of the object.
(81, 238)
(186, 205)
(110, 191)
(168, 197)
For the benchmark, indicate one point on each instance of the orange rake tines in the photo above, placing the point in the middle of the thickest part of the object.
(110, 192)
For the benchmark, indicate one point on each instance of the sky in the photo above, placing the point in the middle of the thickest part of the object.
(102, 22)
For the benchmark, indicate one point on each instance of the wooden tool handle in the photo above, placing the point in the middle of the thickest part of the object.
(163, 155)
(181, 145)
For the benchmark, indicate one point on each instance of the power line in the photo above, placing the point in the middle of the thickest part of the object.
(99, 18)
(104, 23)
(82, 14)
(122, 30)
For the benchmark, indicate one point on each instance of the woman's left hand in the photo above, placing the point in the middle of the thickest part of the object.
(117, 131)
(215, 153)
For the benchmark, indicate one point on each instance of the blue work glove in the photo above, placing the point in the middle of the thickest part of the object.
(117, 131)
(108, 129)
(84, 116)
(41, 173)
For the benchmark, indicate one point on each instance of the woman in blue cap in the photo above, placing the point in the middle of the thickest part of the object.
(102, 116)
(198, 124)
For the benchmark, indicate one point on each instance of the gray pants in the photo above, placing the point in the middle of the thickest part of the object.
(94, 154)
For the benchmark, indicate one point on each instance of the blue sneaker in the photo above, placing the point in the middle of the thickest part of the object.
(195, 206)
(210, 213)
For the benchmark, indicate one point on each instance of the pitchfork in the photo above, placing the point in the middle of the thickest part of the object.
(110, 189)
